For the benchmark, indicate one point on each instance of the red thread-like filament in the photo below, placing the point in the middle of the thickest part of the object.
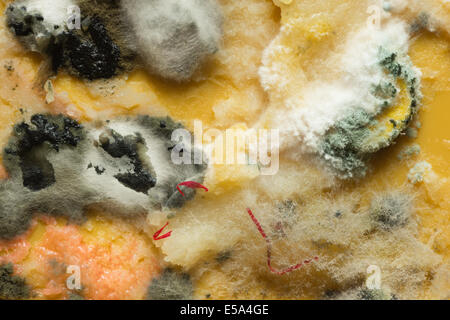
(192, 185)
(269, 250)
(157, 233)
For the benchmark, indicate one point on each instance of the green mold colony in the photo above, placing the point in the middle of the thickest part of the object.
(347, 146)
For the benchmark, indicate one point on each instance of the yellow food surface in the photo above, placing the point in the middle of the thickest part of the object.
(400, 113)
(118, 258)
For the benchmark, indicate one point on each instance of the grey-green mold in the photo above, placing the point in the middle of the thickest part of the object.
(374, 294)
(51, 162)
(347, 146)
(12, 287)
(171, 285)
(389, 211)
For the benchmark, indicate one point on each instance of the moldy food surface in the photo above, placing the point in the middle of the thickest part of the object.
(99, 40)
(87, 179)
(50, 165)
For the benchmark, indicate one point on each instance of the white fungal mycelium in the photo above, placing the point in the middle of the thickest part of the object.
(174, 37)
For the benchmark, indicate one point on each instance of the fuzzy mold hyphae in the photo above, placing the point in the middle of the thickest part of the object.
(365, 108)
(87, 40)
(98, 40)
(362, 129)
(174, 37)
(12, 287)
(59, 167)
(38, 23)
(171, 285)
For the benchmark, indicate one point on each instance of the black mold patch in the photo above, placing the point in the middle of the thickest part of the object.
(99, 170)
(117, 146)
(140, 181)
(11, 286)
(59, 168)
(30, 144)
(37, 173)
(19, 21)
(171, 285)
(98, 50)
(92, 55)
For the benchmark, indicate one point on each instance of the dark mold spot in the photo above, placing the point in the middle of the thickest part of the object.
(140, 181)
(9, 67)
(171, 285)
(47, 160)
(20, 28)
(13, 223)
(420, 23)
(391, 64)
(11, 286)
(331, 293)
(99, 170)
(223, 256)
(374, 294)
(391, 210)
(37, 173)
(99, 50)
(117, 146)
(162, 127)
(94, 56)
(31, 144)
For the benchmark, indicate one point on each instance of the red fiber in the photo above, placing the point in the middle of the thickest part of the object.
(192, 185)
(269, 250)
(157, 233)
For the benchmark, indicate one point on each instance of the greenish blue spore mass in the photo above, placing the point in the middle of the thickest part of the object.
(12, 287)
(347, 146)
(385, 90)
(342, 146)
